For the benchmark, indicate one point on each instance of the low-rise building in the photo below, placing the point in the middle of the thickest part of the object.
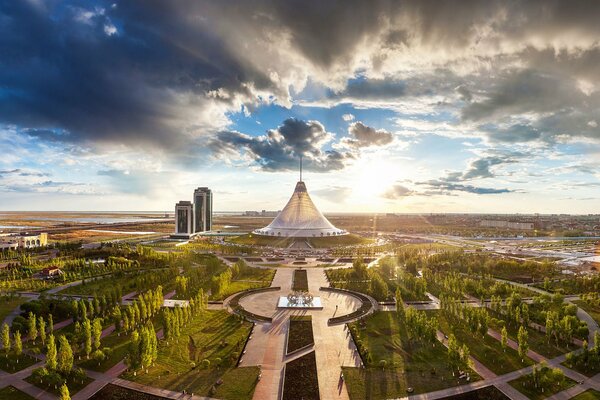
(23, 240)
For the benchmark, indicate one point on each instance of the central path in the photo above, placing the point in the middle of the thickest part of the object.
(333, 346)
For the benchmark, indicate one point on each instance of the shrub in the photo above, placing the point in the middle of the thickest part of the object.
(205, 363)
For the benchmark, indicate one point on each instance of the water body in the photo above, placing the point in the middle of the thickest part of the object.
(98, 220)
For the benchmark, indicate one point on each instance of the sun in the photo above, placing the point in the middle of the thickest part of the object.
(373, 178)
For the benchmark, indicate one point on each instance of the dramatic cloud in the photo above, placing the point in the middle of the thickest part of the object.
(365, 136)
(280, 149)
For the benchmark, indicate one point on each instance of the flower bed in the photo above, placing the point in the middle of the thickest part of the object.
(300, 334)
(300, 282)
(301, 379)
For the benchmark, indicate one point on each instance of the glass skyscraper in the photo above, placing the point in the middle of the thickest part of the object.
(202, 209)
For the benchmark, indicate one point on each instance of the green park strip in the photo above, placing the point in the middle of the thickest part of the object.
(486, 349)
(118, 346)
(11, 363)
(13, 393)
(422, 367)
(550, 383)
(206, 352)
(538, 341)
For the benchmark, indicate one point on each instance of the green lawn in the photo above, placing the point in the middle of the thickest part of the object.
(538, 341)
(118, 345)
(252, 278)
(424, 367)
(525, 386)
(12, 363)
(486, 350)
(73, 385)
(13, 393)
(238, 383)
(212, 335)
(590, 394)
(8, 304)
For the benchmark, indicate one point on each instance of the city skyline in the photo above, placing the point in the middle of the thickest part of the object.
(491, 108)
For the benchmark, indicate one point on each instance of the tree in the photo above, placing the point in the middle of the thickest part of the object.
(64, 393)
(133, 351)
(504, 340)
(97, 327)
(51, 353)
(453, 351)
(379, 287)
(18, 343)
(87, 337)
(65, 355)
(6, 337)
(50, 324)
(42, 329)
(399, 303)
(32, 326)
(523, 341)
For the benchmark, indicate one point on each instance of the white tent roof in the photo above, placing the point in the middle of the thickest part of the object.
(300, 218)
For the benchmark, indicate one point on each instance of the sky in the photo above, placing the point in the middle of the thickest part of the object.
(409, 107)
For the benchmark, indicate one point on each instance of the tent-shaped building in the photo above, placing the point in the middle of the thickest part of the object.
(300, 218)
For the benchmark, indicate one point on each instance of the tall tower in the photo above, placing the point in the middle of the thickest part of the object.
(183, 218)
(202, 209)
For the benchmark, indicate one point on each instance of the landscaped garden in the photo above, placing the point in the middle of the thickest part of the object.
(484, 348)
(8, 304)
(300, 334)
(205, 352)
(398, 360)
(542, 382)
(301, 379)
(12, 363)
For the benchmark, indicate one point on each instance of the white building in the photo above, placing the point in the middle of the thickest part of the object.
(300, 218)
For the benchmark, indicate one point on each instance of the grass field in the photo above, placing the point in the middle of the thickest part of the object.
(214, 335)
(486, 350)
(118, 345)
(73, 385)
(300, 281)
(423, 367)
(8, 304)
(590, 394)
(252, 278)
(525, 385)
(11, 363)
(13, 393)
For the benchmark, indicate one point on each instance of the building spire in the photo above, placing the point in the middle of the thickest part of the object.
(300, 168)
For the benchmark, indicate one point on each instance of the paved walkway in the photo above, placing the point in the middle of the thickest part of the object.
(334, 348)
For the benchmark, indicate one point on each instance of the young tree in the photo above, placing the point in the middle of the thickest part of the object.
(64, 393)
(51, 353)
(504, 340)
(133, 351)
(32, 326)
(42, 329)
(18, 343)
(523, 341)
(50, 324)
(97, 332)
(64, 359)
(87, 337)
(6, 337)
